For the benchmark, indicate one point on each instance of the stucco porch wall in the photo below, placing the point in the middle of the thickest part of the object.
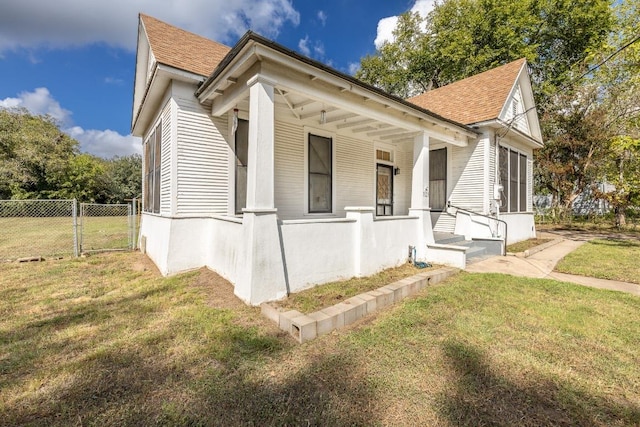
(175, 244)
(477, 227)
(521, 226)
(318, 251)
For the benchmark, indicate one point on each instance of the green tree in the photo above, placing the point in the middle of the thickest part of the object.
(125, 177)
(34, 154)
(460, 38)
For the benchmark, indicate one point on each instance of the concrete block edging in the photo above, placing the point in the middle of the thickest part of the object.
(306, 327)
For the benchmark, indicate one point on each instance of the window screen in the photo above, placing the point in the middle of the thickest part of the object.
(320, 174)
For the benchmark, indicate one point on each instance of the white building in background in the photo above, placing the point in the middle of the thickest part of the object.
(281, 173)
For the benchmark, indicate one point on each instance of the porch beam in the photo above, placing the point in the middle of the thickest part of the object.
(352, 124)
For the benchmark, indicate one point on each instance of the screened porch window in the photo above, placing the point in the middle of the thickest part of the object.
(152, 166)
(320, 174)
(242, 154)
(513, 177)
(438, 179)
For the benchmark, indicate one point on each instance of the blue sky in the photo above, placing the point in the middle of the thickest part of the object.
(78, 67)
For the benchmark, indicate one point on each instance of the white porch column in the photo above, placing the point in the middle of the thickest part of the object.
(260, 172)
(420, 193)
(262, 272)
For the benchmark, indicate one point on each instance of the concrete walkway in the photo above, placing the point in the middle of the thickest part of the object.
(541, 265)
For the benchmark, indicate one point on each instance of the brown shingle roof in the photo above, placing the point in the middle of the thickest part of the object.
(181, 49)
(474, 99)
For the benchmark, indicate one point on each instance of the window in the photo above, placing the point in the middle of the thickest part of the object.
(320, 174)
(513, 177)
(384, 155)
(242, 154)
(438, 179)
(152, 163)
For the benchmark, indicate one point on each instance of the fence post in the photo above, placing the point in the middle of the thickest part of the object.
(134, 205)
(74, 212)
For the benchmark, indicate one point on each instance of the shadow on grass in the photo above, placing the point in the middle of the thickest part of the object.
(481, 397)
(201, 368)
(611, 242)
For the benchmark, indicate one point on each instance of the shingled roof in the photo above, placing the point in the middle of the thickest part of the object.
(475, 99)
(181, 49)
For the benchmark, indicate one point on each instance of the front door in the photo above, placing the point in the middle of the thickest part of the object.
(384, 190)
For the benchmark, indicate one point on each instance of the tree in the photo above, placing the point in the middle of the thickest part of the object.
(125, 177)
(460, 38)
(38, 160)
(34, 154)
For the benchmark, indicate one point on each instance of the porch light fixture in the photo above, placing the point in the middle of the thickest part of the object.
(396, 171)
(323, 117)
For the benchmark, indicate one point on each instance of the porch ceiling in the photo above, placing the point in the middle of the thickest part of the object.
(304, 89)
(297, 108)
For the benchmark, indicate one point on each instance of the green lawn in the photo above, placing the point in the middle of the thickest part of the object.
(105, 341)
(53, 236)
(612, 259)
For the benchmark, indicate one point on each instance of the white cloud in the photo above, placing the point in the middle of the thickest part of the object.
(303, 45)
(387, 25)
(103, 143)
(64, 23)
(322, 16)
(39, 101)
(353, 67)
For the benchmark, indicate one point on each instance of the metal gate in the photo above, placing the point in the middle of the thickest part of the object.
(107, 227)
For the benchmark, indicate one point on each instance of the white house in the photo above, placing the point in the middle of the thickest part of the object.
(280, 173)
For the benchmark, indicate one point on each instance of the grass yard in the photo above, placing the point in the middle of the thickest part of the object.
(314, 299)
(53, 236)
(613, 259)
(526, 244)
(105, 341)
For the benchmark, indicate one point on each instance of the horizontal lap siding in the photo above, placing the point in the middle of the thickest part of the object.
(402, 182)
(203, 160)
(467, 172)
(355, 173)
(289, 170)
(166, 161)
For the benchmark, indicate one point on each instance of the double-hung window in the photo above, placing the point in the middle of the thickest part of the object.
(152, 170)
(513, 177)
(320, 166)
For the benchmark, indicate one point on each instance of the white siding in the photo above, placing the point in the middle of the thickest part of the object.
(402, 182)
(355, 173)
(202, 160)
(166, 161)
(467, 173)
(289, 170)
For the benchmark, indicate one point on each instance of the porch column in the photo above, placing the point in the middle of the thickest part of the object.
(261, 267)
(420, 193)
(260, 172)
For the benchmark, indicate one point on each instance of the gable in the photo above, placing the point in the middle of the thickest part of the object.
(519, 111)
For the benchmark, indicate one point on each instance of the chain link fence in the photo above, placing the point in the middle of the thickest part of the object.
(57, 228)
(105, 227)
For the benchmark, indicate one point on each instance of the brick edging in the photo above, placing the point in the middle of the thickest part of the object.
(306, 327)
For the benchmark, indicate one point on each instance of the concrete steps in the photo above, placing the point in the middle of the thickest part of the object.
(478, 249)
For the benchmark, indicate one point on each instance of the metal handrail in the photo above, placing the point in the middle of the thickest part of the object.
(504, 242)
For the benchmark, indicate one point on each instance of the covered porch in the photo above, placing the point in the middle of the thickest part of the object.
(335, 180)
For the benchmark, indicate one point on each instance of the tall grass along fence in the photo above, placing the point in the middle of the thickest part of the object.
(56, 228)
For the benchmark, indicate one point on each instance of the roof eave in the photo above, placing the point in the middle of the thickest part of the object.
(251, 39)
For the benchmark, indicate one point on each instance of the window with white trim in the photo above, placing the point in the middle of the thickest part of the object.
(241, 157)
(513, 178)
(320, 174)
(152, 163)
